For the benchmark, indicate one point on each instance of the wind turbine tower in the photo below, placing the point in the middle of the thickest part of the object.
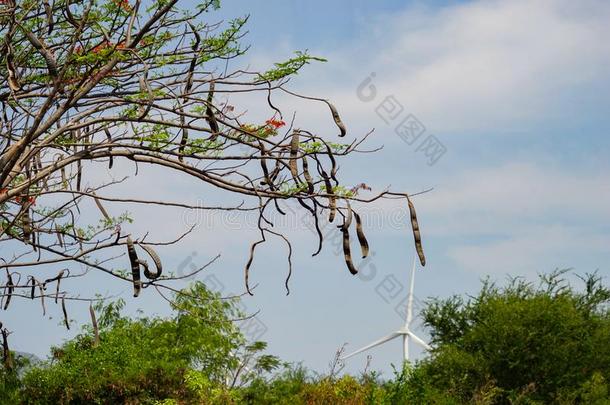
(403, 332)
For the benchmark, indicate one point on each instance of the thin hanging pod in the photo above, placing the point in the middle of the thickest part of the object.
(13, 81)
(364, 244)
(156, 259)
(135, 267)
(347, 221)
(101, 207)
(57, 278)
(308, 179)
(109, 139)
(27, 224)
(337, 119)
(33, 291)
(96, 330)
(416, 233)
(63, 309)
(332, 200)
(60, 238)
(9, 288)
(209, 113)
(294, 149)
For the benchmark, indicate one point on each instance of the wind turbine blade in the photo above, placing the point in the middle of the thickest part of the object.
(419, 341)
(410, 301)
(375, 343)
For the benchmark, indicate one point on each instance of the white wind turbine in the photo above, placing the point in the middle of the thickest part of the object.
(405, 332)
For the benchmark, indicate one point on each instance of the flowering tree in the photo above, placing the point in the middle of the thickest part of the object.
(89, 82)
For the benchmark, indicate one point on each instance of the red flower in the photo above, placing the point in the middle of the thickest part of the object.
(124, 4)
(275, 123)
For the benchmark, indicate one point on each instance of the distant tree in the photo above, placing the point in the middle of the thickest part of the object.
(198, 352)
(520, 344)
(88, 83)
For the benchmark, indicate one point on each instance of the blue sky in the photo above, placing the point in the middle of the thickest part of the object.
(517, 92)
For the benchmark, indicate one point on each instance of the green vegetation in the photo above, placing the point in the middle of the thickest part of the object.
(517, 344)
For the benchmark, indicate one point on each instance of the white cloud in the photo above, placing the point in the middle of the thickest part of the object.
(520, 218)
(523, 191)
(480, 66)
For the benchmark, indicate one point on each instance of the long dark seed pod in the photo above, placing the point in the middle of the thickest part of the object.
(33, 291)
(46, 54)
(27, 224)
(60, 238)
(337, 119)
(209, 113)
(333, 162)
(364, 244)
(135, 267)
(64, 179)
(346, 244)
(268, 180)
(9, 288)
(57, 278)
(109, 139)
(41, 288)
(416, 234)
(63, 309)
(101, 207)
(156, 259)
(249, 263)
(308, 179)
(144, 265)
(79, 174)
(96, 330)
(13, 80)
(294, 148)
(332, 200)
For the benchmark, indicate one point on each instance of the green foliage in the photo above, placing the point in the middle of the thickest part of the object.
(543, 343)
(317, 146)
(289, 67)
(519, 344)
(142, 360)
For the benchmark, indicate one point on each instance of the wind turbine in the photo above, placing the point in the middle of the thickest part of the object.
(403, 332)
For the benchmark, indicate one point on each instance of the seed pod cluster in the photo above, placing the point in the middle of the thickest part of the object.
(416, 233)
